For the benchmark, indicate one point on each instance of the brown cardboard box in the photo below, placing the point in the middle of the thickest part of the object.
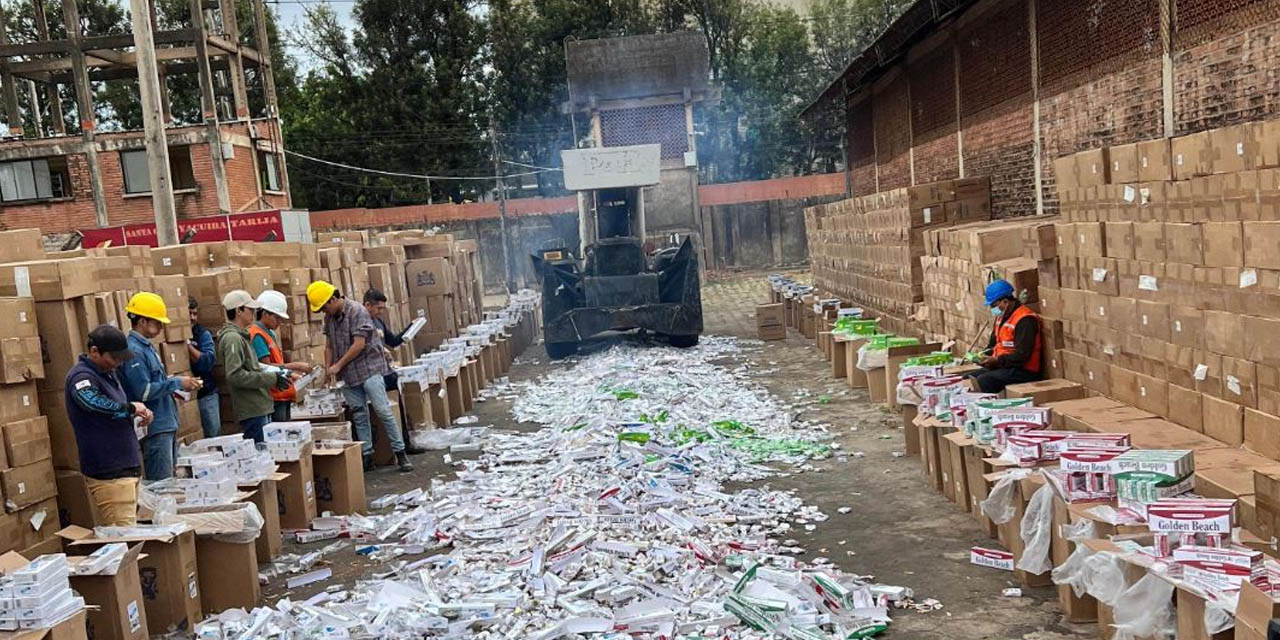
(176, 359)
(168, 573)
(1261, 244)
(75, 504)
(1262, 433)
(429, 277)
(1254, 612)
(339, 480)
(1223, 244)
(1119, 239)
(388, 254)
(1234, 148)
(183, 259)
(48, 279)
(296, 494)
(26, 441)
(20, 360)
(1186, 408)
(955, 444)
(1192, 155)
(1184, 243)
(20, 318)
(1149, 241)
(1224, 333)
(1223, 420)
(21, 245)
(1124, 163)
(1186, 326)
(267, 498)
(1155, 161)
(228, 575)
(1092, 167)
(768, 315)
(1046, 391)
(120, 610)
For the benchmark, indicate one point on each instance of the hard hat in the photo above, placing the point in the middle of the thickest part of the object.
(997, 290)
(148, 305)
(274, 302)
(318, 293)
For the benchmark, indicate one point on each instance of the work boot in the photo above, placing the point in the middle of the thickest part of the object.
(403, 461)
(368, 462)
(414, 451)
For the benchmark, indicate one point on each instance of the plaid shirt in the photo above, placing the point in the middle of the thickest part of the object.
(341, 329)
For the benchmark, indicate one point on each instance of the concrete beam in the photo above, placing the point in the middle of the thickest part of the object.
(84, 109)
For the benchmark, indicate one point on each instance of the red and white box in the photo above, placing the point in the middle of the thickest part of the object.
(994, 558)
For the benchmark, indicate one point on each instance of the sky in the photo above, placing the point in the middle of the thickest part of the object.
(292, 13)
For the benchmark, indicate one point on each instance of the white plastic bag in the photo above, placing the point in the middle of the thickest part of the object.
(1071, 571)
(1219, 616)
(869, 359)
(1145, 610)
(1103, 577)
(908, 394)
(439, 439)
(1037, 532)
(1077, 531)
(999, 503)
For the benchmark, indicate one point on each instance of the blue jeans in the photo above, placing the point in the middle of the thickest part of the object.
(159, 450)
(283, 412)
(210, 418)
(251, 428)
(374, 390)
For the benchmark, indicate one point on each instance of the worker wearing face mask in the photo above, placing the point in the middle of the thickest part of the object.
(1015, 346)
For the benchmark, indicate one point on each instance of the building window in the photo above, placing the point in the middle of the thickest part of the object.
(39, 179)
(137, 178)
(269, 171)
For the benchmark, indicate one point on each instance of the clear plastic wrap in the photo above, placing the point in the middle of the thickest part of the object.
(1145, 610)
(999, 503)
(1037, 532)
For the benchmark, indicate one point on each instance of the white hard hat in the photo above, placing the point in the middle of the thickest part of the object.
(275, 303)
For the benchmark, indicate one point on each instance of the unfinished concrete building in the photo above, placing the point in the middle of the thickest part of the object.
(61, 172)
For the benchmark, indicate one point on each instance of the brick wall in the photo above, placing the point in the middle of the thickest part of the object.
(77, 211)
(995, 95)
(893, 134)
(1100, 83)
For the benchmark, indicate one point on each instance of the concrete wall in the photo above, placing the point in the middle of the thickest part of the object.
(1009, 85)
(756, 235)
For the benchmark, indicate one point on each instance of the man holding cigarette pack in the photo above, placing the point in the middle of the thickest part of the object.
(1015, 346)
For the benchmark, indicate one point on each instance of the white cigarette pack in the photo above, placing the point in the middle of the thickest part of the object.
(297, 431)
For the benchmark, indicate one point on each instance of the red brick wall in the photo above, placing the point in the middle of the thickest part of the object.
(893, 134)
(861, 144)
(995, 107)
(933, 116)
(1226, 65)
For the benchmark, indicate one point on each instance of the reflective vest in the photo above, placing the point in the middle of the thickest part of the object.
(275, 357)
(1005, 343)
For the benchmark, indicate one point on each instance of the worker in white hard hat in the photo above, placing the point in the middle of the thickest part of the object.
(273, 308)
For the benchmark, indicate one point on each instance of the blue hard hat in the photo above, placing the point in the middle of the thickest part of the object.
(997, 290)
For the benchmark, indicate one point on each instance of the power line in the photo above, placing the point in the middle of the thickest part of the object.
(407, 175)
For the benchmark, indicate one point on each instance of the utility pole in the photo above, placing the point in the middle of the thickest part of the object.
(502, 207)
(153, 125)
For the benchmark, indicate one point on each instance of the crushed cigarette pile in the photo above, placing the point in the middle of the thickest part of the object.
(612, 521)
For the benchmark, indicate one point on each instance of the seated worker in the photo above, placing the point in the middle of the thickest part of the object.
(1015, 344)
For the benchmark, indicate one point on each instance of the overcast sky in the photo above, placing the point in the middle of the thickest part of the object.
(292, 13)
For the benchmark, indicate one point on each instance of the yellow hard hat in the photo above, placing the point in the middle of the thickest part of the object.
(318, 293)
(148, 305)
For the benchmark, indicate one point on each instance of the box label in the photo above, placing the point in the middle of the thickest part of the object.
(1147, 283)
(993, 558)
(22, 281)
(135, 619)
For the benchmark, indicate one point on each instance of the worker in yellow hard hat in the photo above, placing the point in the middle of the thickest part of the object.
(353, 352)
(146, 380)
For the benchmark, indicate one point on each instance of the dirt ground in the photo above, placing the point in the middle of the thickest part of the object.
(899, 529)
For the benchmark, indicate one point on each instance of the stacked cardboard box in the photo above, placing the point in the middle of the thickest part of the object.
(1169, 272)
(962, 260)
(387, 274)
(866, 250)
(770, 321)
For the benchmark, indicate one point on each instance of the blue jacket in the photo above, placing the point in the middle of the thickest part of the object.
(102, 419)
(146, 380)
(203, 366)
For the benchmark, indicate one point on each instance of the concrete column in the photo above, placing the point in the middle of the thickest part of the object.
(9, 87)
(235, 62)
(209, 108)
(57, 126)
(1166, 66)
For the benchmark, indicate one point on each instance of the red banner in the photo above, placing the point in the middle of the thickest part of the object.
(253, 227)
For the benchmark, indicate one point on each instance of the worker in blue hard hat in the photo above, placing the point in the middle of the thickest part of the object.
(1015, 346)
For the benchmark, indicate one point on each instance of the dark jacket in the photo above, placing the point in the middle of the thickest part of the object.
(102, 418)
(247, 381)
(203, 366)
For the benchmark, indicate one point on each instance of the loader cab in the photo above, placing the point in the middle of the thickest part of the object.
(619, 212)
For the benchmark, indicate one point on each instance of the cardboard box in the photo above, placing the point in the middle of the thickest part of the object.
(1155, 160)
(1124, 163)
(228, 575)
(183, 259)
(26, 485)
(1184, 243)
(429, 277)
(1262, 433)
(21, 245)
(167, 571)
(339, 480)
(1119, 239)
(1192, 155)
(1223, 420)
(120, 611)
(1261, 244)
(20, 318)
(1254, 612)
(296, 494)
(49, 279)
(266, 497)
(1046, 391)
(769, 315)
(1223, 244)
(1186, 408)
(75, 505)
(1149, 241)
(21, 359)
(26, 441)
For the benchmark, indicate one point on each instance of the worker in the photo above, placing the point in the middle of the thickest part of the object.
(353, 352)
(146, 380)
(273, 308)
(1015, 346)
(202, 351)
(249, 382)
(375, 302)
(103, 418)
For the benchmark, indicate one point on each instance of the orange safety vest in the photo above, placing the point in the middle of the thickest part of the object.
(1004, 338)
(275, 357)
